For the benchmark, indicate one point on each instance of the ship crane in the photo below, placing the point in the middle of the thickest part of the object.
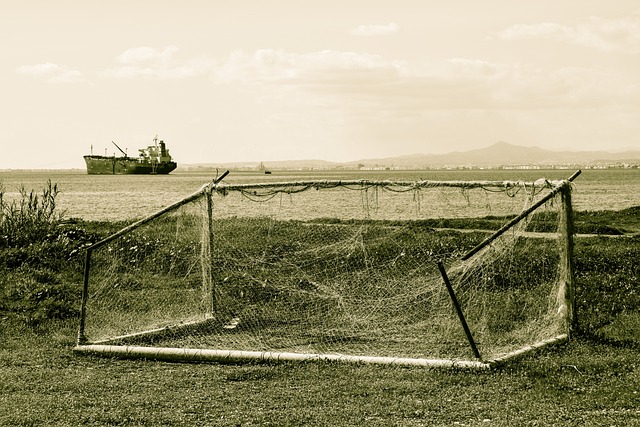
(123, 152)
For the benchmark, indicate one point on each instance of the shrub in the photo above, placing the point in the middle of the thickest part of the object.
(36, 248)
(29, 218)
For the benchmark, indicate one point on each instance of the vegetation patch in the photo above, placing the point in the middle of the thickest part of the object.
(593, 380)
(40, 257)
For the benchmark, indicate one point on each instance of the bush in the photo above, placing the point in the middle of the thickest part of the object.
(29, 218)
(39, 256)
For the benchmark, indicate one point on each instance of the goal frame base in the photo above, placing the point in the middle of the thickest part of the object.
(172, 354)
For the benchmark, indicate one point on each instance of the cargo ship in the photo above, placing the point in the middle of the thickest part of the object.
(154, 159)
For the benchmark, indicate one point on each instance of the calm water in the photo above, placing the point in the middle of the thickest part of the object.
(126, 197)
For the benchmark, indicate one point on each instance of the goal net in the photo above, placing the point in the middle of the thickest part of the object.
(426, 273)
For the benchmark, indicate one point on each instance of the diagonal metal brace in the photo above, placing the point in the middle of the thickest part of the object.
(459, 310)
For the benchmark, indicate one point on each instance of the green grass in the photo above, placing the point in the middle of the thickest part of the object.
(43, 383)
(592, 380)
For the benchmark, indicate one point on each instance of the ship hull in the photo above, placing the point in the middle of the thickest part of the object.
(103, 165)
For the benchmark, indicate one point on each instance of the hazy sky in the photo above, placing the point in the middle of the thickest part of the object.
(235, 80)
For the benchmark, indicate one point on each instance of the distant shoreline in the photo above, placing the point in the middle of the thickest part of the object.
(244, 169)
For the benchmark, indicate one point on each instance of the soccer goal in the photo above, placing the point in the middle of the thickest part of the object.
(429, 273)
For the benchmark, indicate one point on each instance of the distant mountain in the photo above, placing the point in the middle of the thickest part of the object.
(496, 155)
(504, 154)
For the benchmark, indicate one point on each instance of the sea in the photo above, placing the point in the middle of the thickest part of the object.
(130, 197)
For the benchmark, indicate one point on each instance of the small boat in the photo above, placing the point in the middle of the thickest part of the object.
(263, 168)
(154, 159)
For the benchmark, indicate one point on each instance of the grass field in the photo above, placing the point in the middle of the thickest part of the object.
(582, 383)
(592, 380)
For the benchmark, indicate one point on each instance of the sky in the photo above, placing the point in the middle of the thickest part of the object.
(247, 80)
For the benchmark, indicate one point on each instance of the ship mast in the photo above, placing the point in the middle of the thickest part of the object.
(154, 158)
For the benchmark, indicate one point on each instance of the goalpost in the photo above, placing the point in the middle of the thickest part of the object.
(429, 273)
